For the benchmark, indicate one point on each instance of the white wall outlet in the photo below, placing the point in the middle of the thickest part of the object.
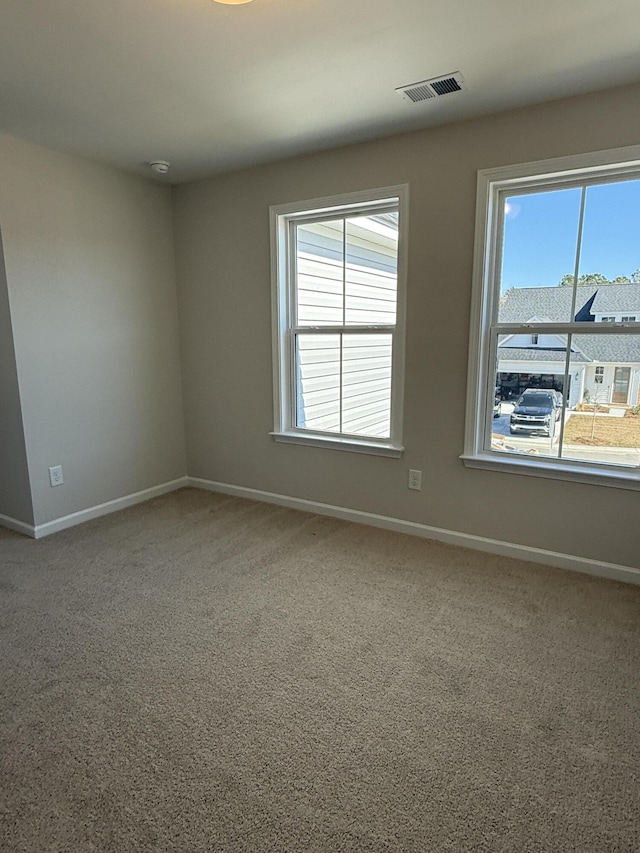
(415, 480)
(55, 475)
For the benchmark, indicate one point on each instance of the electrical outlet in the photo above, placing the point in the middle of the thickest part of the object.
(415, 480)
(55, 475)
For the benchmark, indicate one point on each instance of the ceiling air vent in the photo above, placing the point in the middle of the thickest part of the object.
(437, 87)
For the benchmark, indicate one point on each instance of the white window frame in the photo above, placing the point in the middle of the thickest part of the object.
(283, 218)
(493, 186)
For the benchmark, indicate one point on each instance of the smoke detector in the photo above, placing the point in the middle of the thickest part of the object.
(436, 87)
(160, 166)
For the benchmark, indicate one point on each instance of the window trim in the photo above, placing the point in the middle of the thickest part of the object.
(282, 266)
(598, 167)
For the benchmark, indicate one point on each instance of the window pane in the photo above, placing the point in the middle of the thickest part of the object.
(609, 279)
(601, 426)
(344, 387)
(371, 274)
(366, 385)
(539, 249)
(527, 405)
(320, 273)
(318, 382)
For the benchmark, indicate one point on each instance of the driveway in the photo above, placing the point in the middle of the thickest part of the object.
(547, 447)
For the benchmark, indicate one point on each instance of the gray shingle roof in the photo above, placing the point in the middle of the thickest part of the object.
(520, 304)
(614, 298)
(618, 349)
(553, 304)
(523, 354)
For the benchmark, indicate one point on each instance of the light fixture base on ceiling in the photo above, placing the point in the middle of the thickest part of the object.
(161, 167)
(233, 2)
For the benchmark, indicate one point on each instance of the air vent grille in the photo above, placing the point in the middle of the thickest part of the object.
(420, 93)
(449, 84)
(437, 87)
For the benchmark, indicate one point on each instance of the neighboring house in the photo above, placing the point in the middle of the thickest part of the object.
(347, 275)
(602, 367)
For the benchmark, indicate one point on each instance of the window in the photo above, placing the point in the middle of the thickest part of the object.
(338, 320)
(557, 249)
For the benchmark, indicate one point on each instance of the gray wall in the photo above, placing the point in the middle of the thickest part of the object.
(91, 280)
(222, 232)
(15, 493)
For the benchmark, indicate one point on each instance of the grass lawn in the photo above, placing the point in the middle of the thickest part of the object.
(608, 432)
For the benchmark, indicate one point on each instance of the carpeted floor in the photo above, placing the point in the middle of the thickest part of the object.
(203, 673)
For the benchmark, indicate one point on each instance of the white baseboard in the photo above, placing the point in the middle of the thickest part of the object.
(612, 571)
(18, 526)
(91, 512)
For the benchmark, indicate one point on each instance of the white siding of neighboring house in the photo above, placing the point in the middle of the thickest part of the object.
(602, 392)
(345, 386)
(617, 316)
(599, 391)
(544, 342)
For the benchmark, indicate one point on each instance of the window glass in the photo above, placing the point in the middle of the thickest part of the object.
(601, 425)
(371, 275)
(610, 241)
(318, 382)
(366, 384)
(528, 389)
(320, 273)
(539, 248)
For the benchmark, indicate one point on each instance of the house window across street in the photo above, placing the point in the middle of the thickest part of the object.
(557, 261)
(338, 320)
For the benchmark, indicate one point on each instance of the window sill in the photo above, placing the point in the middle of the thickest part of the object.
(339, 443)
(621, 478)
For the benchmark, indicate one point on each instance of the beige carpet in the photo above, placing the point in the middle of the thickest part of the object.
(207, 673)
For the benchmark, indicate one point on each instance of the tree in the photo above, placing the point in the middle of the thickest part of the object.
(566, 280)
(595, 279)
(590, 279)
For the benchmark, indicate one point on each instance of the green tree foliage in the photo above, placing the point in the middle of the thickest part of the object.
(592, 279)
(596, 279)
(566, 280)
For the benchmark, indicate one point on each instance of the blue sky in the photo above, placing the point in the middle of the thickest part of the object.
(541, 233)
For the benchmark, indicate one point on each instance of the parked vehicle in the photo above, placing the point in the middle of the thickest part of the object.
(496, 405)
(536, 411)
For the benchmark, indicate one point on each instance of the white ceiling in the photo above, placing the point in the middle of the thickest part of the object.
(212, 87)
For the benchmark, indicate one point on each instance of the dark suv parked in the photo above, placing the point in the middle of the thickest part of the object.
(537, 410)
